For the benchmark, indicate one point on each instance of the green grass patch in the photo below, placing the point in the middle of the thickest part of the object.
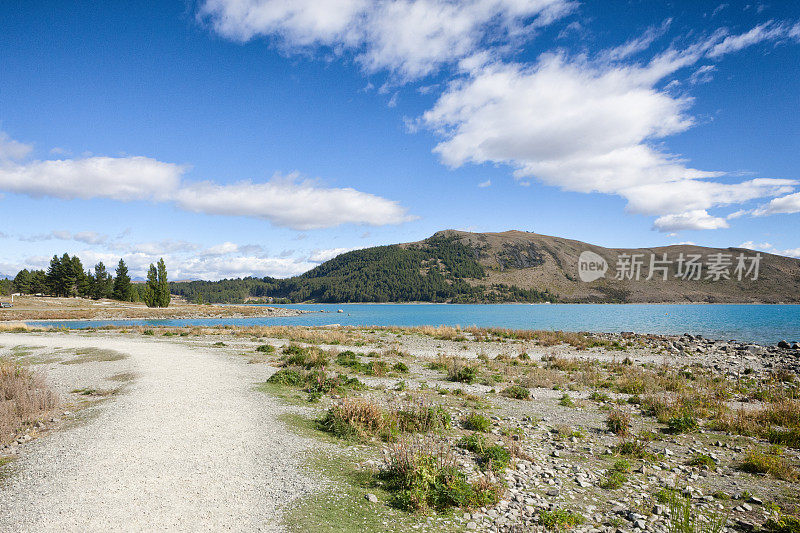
(560, 519)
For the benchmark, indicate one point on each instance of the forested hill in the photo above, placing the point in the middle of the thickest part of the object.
(438, 269)
(515, 266)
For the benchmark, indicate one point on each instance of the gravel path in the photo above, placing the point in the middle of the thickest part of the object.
(190, 446)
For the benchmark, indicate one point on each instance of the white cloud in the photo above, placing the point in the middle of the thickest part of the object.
(484, 184)
(291, 203)
(636, 45)
(225, 248)
(123, 178)
(11, 149)
(703, 74)
(591, 126)
(691, 220)
(783, 205)
(284, 201)
(164, 247)
(90, 237)
(768, 31)
(770, 248)
(409, 38)
(320, 256)
(212, 268)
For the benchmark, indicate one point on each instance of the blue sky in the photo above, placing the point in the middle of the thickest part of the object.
(259, 137)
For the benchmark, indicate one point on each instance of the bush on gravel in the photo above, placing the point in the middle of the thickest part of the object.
(365, 420)
(24, 398)
(424, 475)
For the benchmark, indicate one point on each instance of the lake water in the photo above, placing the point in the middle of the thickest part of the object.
(765, 324)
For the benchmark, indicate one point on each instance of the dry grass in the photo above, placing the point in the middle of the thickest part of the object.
(24, 398)
(14, 327)
(94, 355)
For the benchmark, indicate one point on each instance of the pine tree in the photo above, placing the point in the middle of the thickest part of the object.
(53, 276)
(22, 282)
(81, 282)
(102, 282)
(163, 285)
(38, 282)
(151, 289)
(67, 277)
(122, 283)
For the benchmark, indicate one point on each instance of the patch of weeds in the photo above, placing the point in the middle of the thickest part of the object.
(684, 423)
(219, 344)
(463, 374)
(148, 332)
(636, 447)
(770, 462)
(518, 392)
(703, 461)
(424, 476)
(598, 396)
(782, 523)
(566, 401)
(477, 422)
(616, 475)
(684, 517)
(265, 348)
(495, 457)
(400, 367)
(560, 519)
(618, 423)
(365, 420)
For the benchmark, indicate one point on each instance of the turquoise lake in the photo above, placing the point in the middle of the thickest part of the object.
(764, 324)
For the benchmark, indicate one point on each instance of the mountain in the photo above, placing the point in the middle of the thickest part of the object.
(517, 266)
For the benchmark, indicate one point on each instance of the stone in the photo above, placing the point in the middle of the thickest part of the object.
(371, 498)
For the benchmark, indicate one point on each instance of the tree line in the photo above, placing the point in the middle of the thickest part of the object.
(441, 269)
(66, 277)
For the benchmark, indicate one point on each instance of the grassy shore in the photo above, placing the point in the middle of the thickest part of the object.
(493, 429)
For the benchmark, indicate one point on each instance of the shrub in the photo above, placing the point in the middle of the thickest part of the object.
(477, 422)
(355, 419)
(474, 443)
(702, 460)
(686, 518)
(566, 401)
(635, 447)
(219, 344)
(421, 418)
(615, 477)
(613, 480)
(518, 392)
(599, 397)
(462, 373)
(560, 519)
(684, 423)
(287, 377)
(495, 458)
(618, 423)
(400, 367)
(422, 476)
(782, 524)
(24, 397)
(148, 332)
(265, 348)
(768, 463)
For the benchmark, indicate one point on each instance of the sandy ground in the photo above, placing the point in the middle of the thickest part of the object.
(189, 446)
